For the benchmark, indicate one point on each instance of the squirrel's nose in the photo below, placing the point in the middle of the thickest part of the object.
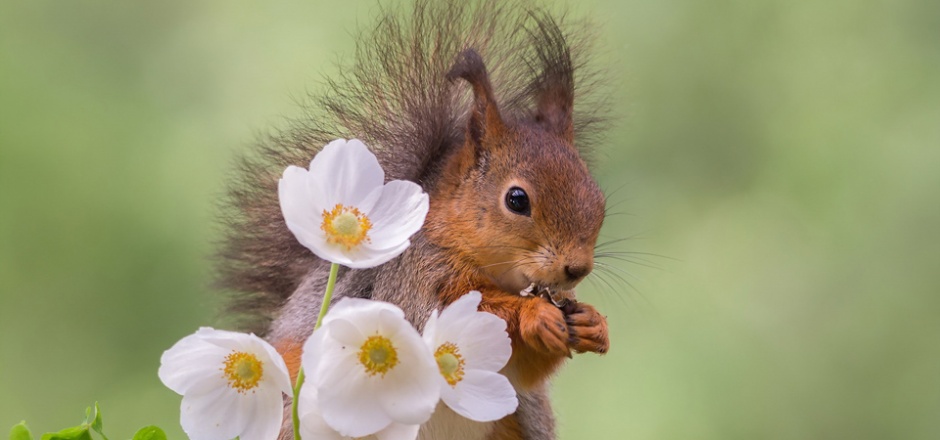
(576, 272)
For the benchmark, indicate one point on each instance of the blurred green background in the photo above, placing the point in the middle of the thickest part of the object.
(782, 159)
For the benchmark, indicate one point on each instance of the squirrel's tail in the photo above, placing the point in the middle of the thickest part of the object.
(396, 98)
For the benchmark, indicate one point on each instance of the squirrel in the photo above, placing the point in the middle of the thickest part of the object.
(514, 211)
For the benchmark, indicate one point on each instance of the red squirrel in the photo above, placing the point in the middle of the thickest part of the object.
(475, 103)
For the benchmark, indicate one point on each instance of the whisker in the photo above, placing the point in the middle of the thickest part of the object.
(618, 213)
(498, 264)
(612, 268)
(607, 196)
(502, 246)
(602, 277)
(636, 260)
(615, 241)
(650, 254)
(520, 263)
(606, 269)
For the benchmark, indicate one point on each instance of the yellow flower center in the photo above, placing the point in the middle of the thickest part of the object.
(345, 225)
(450, 362)
(242, 370)
(378, 355)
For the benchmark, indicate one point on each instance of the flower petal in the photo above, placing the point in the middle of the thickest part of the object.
(299, 203)
(409, 392)
(339, 368)
(211, 416)
(357, 415)
(482, 396)
(349, 306)
(348, 170)
(398, 431)
(275, 370)
(411, 398)
(484, 342)
(310, 355)
(211, 409)
(312, 425)
(192, 362)
(397, 215)
(347, 173)
(430, 331)
(314, 238)
(335, 372)
(302, 208)
(480, 336)
(465, 306)
(361, 404)
(275, 375)
(263, 416)
(346, 333)
(366, 257)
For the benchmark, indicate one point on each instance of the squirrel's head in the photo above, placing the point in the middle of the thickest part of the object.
(517, 201)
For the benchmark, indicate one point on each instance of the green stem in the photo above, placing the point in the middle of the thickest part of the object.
(334, 269)
(293, 410)
(324, 306)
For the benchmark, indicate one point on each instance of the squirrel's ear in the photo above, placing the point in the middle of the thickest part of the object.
(554, 107)
(485, 120)
(553, 79)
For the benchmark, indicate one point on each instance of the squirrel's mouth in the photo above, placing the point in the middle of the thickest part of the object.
(558, 297)
(533, 283)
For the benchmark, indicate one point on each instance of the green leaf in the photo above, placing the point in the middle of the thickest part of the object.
(76, 433)
(150, 433)
(20, 432)
(96, 425)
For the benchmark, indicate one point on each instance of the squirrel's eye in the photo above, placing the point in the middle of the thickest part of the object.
(517, 201)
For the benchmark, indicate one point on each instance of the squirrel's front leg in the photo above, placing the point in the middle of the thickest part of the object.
(557, 330)
(587, 328)
(543, 327)
(543, 335)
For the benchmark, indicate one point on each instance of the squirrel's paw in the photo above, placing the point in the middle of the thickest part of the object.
(587, 329)
(542, 327)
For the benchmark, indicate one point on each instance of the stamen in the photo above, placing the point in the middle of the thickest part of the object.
(242, 370)
(345, 225)
(450, 362)
(378, 355)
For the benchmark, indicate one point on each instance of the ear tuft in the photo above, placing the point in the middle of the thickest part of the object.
(469, 66)
(553, 86)
(485, 120)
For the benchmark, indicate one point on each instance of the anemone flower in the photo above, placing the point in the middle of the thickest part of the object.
(232, 385)
(313, 426)
(470, 348)
(371, 369)
(341, 210)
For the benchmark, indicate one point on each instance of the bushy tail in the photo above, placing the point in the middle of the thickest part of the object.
(396, 98)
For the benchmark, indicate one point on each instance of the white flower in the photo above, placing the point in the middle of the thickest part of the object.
(343, 213)
(470, 348)
(232, 385)
(370, 368)
(312, 425)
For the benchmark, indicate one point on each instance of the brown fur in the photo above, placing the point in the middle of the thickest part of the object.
(406, 96)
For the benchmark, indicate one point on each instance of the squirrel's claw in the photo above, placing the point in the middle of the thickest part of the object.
(557, 331)
(543, 328)
(587, 329)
